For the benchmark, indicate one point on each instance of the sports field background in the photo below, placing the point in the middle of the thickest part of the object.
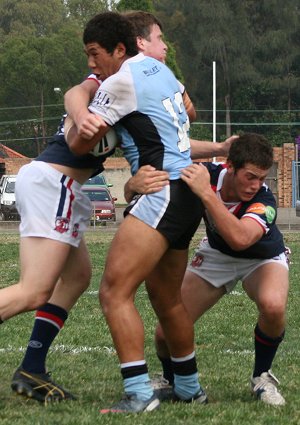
(83, 359)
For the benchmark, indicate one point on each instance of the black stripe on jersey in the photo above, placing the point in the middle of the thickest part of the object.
(146, 138)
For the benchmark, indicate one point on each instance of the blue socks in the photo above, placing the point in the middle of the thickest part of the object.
(136, 380)
(186, 380)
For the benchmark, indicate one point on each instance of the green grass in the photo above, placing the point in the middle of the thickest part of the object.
(83, 359)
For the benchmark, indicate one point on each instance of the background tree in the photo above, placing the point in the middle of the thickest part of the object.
(145, 5)
(83, 10)
(213, 38)
(236, 34)
(254, 43)
(37, 54)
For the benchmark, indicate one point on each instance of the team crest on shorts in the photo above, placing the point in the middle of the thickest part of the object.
(62, 224)
(197, 260)
(75, 230)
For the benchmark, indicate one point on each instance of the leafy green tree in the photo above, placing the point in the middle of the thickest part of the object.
(208, 31)
(43, 64)
(30, 17)
(258, 61)
(277, 48)
(145, 5)
(32, 65)
(83, 10)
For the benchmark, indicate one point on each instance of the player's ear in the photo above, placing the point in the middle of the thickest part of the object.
(140, 43)
(120, 50)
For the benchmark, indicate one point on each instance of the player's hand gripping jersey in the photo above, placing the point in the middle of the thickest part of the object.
(144, 98)
(261, 208)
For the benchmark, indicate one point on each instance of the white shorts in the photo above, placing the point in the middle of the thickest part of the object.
(51, 205)
(224, 270)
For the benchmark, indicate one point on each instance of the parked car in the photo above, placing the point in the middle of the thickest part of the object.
(8, 210)
(98, 180)
(103, 203)
(298, 208)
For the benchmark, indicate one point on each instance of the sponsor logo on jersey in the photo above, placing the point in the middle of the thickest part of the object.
(153, 70)
(102, 100)
(270, 214)
(256, 208)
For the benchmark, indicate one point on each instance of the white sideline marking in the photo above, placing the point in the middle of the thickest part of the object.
(65, 349)
(239, 352)
(71, 349)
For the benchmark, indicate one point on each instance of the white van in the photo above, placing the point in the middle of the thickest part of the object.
(8, 209)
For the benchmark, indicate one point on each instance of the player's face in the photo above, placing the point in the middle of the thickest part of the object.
(155, 46)
(247, 181)
(102, 63)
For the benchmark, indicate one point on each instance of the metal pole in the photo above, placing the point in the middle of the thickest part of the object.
(214, 106)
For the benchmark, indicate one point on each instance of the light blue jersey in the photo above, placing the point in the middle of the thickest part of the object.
(144, 98)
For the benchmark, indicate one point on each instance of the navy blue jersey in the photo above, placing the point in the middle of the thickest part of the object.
(262, 208)
(58, 152)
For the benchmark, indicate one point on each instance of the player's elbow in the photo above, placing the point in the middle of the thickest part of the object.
(75, 149)
(69, 93)
(78, 149)
(192, 114)
(239, 244)
(75, 143)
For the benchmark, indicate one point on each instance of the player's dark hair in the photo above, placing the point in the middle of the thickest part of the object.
(108, 29)
(142, 22)
(251, 148)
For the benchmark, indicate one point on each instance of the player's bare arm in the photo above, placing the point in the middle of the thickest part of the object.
(190, 109)
(207, 149)
(147, 180)
(78, 144)
(76, 103)
(239, 234)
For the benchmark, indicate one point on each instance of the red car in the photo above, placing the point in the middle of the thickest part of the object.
(103, 203)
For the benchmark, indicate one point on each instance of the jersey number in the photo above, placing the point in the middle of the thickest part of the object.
(182, 130)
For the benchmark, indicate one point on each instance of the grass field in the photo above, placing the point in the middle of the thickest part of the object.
(83, 359)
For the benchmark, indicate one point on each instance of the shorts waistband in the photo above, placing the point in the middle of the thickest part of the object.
(46, 168)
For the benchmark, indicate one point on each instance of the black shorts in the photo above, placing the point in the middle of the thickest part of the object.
(175, 212)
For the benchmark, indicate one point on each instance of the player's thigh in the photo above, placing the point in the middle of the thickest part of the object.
(134, 252)
(164, 282)
(42, 261)
(198, 295)
(269, 283)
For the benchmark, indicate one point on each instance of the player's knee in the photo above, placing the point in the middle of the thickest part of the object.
(159, 335)
(105, 296)
(164, 302)
(35, 300)
(113, 296)
(84, 279)
(273, 309)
